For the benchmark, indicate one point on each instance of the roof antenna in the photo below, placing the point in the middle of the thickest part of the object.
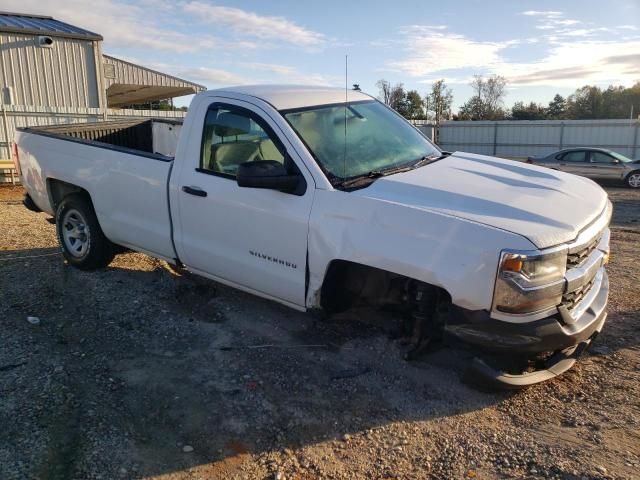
(346, 100)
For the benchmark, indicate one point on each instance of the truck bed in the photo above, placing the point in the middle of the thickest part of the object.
(137, 136)
(124, 166)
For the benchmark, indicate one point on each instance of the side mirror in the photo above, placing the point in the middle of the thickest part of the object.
(266, 174)
(615, 160)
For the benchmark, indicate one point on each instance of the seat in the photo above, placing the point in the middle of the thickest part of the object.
(226, 156)
(268, 151)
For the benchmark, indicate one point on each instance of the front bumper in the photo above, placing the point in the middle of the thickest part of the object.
(557, 364)
(544, 335)
(559, 333)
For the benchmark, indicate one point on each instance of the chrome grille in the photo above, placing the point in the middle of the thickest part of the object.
(571, 299)
(576, 258)
(582, 265)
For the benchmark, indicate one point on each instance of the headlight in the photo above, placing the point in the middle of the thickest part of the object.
(529, 282)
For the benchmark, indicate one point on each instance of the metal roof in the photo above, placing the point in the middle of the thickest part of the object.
(284, 97)
(128, 83)
(41, 25)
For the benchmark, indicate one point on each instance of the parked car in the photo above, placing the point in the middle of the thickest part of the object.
(325, 203)
(596, 163)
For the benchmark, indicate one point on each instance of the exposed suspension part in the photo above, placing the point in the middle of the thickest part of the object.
(426, 303)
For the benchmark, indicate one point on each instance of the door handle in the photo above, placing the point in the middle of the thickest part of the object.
(194, 191)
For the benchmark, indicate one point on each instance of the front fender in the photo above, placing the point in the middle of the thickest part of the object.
(458, 255)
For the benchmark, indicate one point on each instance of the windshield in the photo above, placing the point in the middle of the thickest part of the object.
(355, 139)
(620, 157)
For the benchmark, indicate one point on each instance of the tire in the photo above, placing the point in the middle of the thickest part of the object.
(633, 179)
(81, 239)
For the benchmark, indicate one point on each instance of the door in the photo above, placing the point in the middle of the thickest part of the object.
(574, 162)
(604, 166)
(253, 238)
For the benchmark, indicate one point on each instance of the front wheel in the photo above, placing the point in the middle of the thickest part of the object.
(82, 241)
(633, 179)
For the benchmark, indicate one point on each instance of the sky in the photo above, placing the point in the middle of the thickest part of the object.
(542, 47)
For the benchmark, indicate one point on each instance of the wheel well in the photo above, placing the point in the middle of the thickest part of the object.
(349, 284)
(58, 190)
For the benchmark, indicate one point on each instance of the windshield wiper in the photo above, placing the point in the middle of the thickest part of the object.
(369, 177)
(372, 175)
(431, 158)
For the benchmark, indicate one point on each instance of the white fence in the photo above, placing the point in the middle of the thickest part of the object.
(520, 139)
(425, 127)
(509, 139)
(17, 116)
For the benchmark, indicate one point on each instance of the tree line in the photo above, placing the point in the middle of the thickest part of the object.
(487, 102)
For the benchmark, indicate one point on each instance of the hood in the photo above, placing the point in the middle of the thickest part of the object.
(546, 206)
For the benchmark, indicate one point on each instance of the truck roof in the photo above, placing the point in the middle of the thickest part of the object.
(285, 97)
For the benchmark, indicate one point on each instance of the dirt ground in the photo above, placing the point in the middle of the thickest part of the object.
(136, 372)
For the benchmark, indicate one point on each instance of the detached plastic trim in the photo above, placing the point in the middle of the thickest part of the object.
(558, 364)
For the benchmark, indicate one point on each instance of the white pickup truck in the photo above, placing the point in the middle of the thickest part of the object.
(327, 200)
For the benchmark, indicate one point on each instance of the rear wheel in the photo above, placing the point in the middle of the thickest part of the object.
(82, 241)
(633, 179)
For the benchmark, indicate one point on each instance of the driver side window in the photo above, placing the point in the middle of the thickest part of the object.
(232, 136)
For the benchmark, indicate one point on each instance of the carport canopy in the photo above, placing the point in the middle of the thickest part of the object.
(120, 94)
(127, 84)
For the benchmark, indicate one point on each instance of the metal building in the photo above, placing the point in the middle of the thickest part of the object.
(50, 63)
(52, 72)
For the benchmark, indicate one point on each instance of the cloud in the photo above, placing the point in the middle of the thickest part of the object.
(566, 22)
(573, 55)
(291, 75)
(554, 20)
(121, 24)
(590, 61)
(573, 52)
(251, 24)
(154, 30)
(543, 13)
(631, 58)
(253, 73)
(158, 25)
(462, 80)
(212, 77)
(544, 76)
(434, 50)
(578, 32)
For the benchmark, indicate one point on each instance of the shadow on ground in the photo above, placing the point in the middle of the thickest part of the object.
(159, 363)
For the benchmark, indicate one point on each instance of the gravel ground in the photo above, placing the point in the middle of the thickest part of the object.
(138, 372)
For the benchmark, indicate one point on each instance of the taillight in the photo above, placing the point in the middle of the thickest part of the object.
(16, 158)
(529, 160)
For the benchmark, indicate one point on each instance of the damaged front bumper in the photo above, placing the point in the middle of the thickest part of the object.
(564, 335)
